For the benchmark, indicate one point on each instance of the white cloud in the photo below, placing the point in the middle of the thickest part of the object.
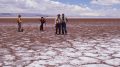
(105, 2)
(52, 7)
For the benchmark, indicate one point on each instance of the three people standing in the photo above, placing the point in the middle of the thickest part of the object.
(60, 24)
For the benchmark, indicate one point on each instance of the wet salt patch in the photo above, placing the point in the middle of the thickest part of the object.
(50, 53)
(4, 34)
(19, 66)
(37, 42)
(55, 45)
(30, 44)
(58, 60)
(83, 45)
(13, 47)
(66, 43)
(76, 43)
(91, 54)
(21, 43)
(9, 44)
(59, 49)
(24, 54)
(38, 53)
(96, 65)
(93, 51)
(70, 54)
(22, 62)
(103, 57)
(5, 37)
(9, 57)
(21, 49)
(65, 65)
(62, 44)
(75, 62)
(42, 57)
(116, 55)
(4, 51)
(117, 40)
(37, 64)
(103, 45)
(26, 39)
(51, 62)
(80, 44)
(84, 49)
(107, 52)
(8, 62)
(92, 41)
(117, 47)
(99, 48)
(98, 39)
(37, 47)
(30, 51)
(85, 60)
(113, 49)
(7, 66)
(114, 43)
(79, 39)
(1, 64)
(69, 50)
(78, 53)
(114, 62)
(27, 58)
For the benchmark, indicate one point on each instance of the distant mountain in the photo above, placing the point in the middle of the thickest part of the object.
(23, 15)
(46, 15)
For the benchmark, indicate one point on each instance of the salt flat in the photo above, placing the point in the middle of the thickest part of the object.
(82, 47)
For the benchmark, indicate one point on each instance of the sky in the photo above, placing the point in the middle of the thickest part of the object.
(77, 8)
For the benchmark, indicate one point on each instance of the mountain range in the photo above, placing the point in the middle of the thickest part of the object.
(23, 15)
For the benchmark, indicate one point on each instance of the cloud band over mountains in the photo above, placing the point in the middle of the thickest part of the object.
(54, 7)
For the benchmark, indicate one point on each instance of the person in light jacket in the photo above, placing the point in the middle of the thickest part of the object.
(58, 24)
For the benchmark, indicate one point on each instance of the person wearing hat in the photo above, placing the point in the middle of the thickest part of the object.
(19, 21)
(58, 24)
(64, 21)
(42, 20)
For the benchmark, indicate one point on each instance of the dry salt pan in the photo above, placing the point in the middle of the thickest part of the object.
(79, 49)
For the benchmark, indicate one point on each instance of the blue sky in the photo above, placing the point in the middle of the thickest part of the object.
(77, 8)
(87, 3)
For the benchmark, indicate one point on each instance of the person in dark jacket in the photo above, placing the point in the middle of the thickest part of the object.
(42, 20)
(64, 21)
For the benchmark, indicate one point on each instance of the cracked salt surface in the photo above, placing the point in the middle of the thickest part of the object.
(88, 60)
(59, 51)
(96, 65)
(115, 62)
